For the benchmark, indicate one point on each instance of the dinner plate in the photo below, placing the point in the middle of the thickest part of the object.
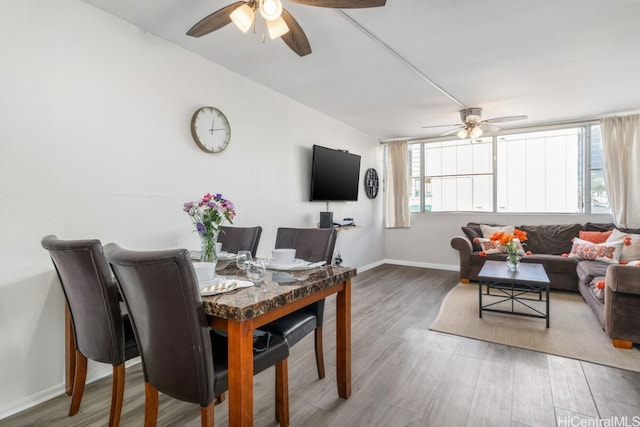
(220, 286)
(298, 264)
(226, 256)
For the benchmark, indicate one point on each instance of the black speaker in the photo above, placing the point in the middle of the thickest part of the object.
(326, 219)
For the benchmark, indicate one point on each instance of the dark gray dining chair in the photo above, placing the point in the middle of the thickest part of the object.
(236, 239)
(311, 244)
(101, 331)
(182, 356)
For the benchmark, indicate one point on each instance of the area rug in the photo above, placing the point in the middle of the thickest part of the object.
(575, 332)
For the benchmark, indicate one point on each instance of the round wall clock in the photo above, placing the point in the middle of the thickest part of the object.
(210, 129)
(371, 183)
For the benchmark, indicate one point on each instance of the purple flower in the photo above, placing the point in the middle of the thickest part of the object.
(200, 227)
(188, 206)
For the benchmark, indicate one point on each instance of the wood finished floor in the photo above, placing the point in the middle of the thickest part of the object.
(403, 375)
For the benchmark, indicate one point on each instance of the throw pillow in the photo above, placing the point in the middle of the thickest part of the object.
(488, 246)
(487, 230)
(472, 234)
(631, 246)
(595, 236)
(598, 289)
(605, 252)
(635, 263)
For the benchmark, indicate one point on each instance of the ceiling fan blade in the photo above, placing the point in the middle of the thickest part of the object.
(452, 131)
(505, 119)
(295, 38)
(215, 21)
(489, 128)
(343, 4)
(441, 126)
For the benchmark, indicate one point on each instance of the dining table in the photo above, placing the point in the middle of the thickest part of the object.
(281, 292)
(242, 310)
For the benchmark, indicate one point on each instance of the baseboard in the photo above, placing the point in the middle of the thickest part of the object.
(370, 266)
(48, 394)
(448, 267)
(30, 401)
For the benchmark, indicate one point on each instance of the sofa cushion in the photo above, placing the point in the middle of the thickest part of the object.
(587, 270)
(598, 226)
(550, 239)
(606, 252)
(472, 234)
(592, 277)
(553, 263)
(630, 247)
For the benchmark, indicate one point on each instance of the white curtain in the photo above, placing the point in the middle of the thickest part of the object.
(397, 185)
(621, 163)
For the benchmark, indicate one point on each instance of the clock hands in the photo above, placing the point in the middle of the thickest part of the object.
(213, 121)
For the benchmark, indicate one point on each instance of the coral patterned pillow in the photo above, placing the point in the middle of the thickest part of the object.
(495, 247)
(488, 246)
(605, 252)
(630, 247)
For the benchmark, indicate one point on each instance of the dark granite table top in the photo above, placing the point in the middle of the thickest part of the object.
(275, 290)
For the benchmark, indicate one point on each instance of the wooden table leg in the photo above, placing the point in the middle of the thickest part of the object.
(240, 342)
(343, 340)
(69, 352)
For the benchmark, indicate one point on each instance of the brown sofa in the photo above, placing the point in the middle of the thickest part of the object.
(617, 308)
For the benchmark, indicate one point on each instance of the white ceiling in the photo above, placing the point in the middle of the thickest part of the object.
(552, 60)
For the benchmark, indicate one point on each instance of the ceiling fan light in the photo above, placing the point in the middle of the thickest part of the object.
(476, 132)
(463, 133)
(277, 28)
(270, 10)
(243, 17)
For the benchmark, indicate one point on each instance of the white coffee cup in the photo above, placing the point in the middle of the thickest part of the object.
(204, 271)
(283, 255)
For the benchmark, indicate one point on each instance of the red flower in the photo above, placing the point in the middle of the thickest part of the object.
(600, 284)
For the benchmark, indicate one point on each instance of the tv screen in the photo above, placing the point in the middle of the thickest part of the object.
(335, 175)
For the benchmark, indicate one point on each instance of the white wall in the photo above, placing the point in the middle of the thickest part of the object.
(427, 242)
(95, 142)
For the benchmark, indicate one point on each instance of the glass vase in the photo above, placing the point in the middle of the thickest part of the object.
(513, 262)
(208, 248)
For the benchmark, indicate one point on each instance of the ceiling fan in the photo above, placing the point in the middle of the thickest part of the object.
(472, 126)
(278, 20)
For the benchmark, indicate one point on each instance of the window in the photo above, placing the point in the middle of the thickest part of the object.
(547, 171)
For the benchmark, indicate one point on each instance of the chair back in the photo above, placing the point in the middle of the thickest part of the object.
(161, 292)
(311, 244)
(92, 297)
(236, 239)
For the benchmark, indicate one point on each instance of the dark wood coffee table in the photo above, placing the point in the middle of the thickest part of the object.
(516, 286)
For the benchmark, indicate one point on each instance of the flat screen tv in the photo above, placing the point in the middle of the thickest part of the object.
(335, 175)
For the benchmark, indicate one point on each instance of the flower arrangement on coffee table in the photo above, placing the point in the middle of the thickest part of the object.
(512, 244)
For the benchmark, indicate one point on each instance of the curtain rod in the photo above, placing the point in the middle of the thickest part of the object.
(506, 131)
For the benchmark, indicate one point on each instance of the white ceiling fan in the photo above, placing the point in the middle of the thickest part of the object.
(473, 126)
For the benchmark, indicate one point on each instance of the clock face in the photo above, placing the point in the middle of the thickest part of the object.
(371, 183)
(210, 129)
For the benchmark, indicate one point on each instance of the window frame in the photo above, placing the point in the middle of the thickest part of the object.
(585, 172)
